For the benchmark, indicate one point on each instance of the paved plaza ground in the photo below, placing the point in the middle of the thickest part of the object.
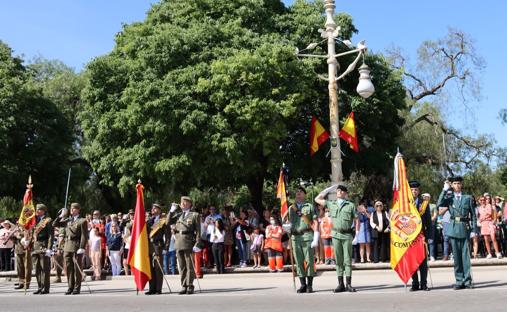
(378, 290)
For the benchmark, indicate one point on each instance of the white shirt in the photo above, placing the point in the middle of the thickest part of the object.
(216, 236)
(380, 220)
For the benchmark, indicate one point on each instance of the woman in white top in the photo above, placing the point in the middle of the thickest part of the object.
(6, 245)
(217, 245)
(95, 252)
(379, 221)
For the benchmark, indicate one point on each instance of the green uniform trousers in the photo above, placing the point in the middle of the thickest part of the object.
(462, 264)
(343, 255)
(20, 267)
(304, 257)
(42, 271)
(73, 273)
(157, 275)
(186, 266)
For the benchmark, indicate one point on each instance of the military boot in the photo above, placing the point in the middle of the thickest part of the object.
(349, 284)
(341, 286)
(303, 288)
(309, 288)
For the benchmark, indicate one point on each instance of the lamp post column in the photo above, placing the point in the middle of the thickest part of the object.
(333, 66)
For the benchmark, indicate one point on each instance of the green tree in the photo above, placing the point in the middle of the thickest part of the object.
(34, 134)
(203, 93)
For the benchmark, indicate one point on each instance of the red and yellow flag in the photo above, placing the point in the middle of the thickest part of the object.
(27, 216)
(348, 132)
(138, 257)
(407, 239)
(282, 194)
(318, 135)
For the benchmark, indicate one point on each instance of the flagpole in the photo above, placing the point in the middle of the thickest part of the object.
(286, 181)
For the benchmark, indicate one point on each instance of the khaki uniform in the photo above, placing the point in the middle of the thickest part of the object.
(20, 252)
(42, 241)
(159, 233)
(76, 237)
(58, 255)
(302, 216)
(342, 215)
(187, 236)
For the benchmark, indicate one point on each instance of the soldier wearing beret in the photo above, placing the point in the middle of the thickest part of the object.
(76, 238)
(187, 231)
(343, 215)
(42, 245)
(463, 220)
(424, 211)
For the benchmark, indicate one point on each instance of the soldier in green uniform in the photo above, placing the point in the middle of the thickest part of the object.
(463, 221)
(343, 214)
(42, 245)
(187, 231)
(20, 246)
(76, 238)
(302, 223)
(159, 234)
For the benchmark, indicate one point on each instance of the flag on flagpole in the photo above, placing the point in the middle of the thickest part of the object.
(27, 216)
(318, 135)
(281, 193)
(407, 239)
(138, 257)
(348, 132)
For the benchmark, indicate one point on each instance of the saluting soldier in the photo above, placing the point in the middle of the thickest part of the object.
(305, 237)
(42, 245)
(463, 221)
(20, 246)
(159, 233)
(187, 231)
(343, 214)
(424, 211)
(76, 237)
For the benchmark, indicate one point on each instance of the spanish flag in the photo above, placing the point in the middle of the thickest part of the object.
(281, 193)
(138, 257)
(27, 216)
(318, 135)
(348, 132)
(407, 239)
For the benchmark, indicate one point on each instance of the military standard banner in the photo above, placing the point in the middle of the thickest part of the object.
(407, 239)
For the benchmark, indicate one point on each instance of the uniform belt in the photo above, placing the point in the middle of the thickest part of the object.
(296, 232)
(460, 219)
(344, 231)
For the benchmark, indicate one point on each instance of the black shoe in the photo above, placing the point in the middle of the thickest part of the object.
(76, 292)
(68, 292)
(190, 290)
(424, 288)
(302, 289)
(458, 287)
(44, 292)
(414, 288)
(183, 291)
(309, 288)
(469, 286)
(341, 286)
(37, 292)
(349, 284)
(20, 286)
(148, 293)
(158, 293)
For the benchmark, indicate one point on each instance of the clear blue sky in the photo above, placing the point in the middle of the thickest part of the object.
(78, 30)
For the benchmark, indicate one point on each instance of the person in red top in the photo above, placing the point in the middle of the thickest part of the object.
(326, 225)
(273, 245)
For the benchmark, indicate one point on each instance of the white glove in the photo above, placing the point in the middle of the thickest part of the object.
(315, 241)
(48, 253)
(25, 242)
(287, 227)
(328, 190)
(196, 249)
(173, 207)
(447, 185)
(80, 251)
(386, 230)
(63, 213)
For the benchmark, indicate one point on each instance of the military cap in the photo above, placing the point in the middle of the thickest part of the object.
(187, 198)
(41, 207)
(342, 187)
(414, 184)
(456, 179)
(75, 205)
(301, 189)
(156, 205)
